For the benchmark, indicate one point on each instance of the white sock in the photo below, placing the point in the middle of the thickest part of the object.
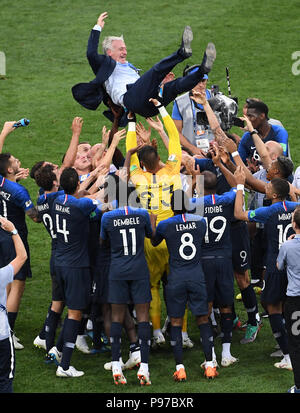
(226, 350)
(116, 365)
(209, 364)
(213, 320)
(179, 366)
(287, 358)
(214, 357)
(157, 332)
(144, 366)
(184, 335)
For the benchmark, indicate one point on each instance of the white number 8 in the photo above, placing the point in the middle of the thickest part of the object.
(187, 241)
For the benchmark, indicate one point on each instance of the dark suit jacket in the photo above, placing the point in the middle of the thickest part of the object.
(91, 94)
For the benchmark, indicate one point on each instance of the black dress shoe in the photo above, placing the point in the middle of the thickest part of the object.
(208, 58)
(187, 37)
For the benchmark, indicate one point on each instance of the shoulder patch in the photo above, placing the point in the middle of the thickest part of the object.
(133, 168)
(252, 214)
(284, 146)
(172, 158)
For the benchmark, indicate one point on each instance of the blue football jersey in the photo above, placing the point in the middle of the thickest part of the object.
(44, 207)
(126, 229)
(14, 202)
(278, 226)
(218, 214)
(71, 225)
(183, 234)
(247, 148)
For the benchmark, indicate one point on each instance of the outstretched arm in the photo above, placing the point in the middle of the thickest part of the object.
(259, 144)
(239, 199)
(8, 127)
(107, 159)
(200, 97)
(174, 140)
(159, 127)
(70, 155)
(218, 163)
(95, 59)
(131, 141)
(256, 184)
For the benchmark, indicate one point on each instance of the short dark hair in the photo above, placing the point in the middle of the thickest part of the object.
(149, 156)
(69, 180)
(4, 163)
(285, 166)
(296, 216)
(210, 180)
(281, 187)
(35, 168)
(259, 107)
(45, 177)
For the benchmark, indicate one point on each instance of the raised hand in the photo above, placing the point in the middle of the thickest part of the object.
(239, 175)
(199, 97)
(77, 125)
(143, 133)
(101, 19)
(155, 124)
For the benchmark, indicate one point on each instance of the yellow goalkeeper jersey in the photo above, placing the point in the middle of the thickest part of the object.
(155, 190)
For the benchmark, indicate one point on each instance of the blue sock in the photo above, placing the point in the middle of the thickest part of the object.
(60, 339)
(82, 324)
(226, 324)
(50, 328)
(279, 331)
(97, 325)
(144, 335)
(207, 340)
(70, 334)
(115, 340)
(12, 319)
(176, 343)
(42, 333)
(250, 303)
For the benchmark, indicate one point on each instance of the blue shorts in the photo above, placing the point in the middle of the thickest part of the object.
(181, 292)
(129, 291)
(219, 280)
(7, 254)
(240, 246)
(57, 293)
(100, 283)
(76, 286)
(7, 365)
(274, 290)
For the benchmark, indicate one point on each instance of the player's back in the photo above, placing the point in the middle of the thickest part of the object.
(126, 229)
(183, 234)
(155, 190)
(44, 207)
(218, 213)
(14, 201)
(278, 227)
(71, 224)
